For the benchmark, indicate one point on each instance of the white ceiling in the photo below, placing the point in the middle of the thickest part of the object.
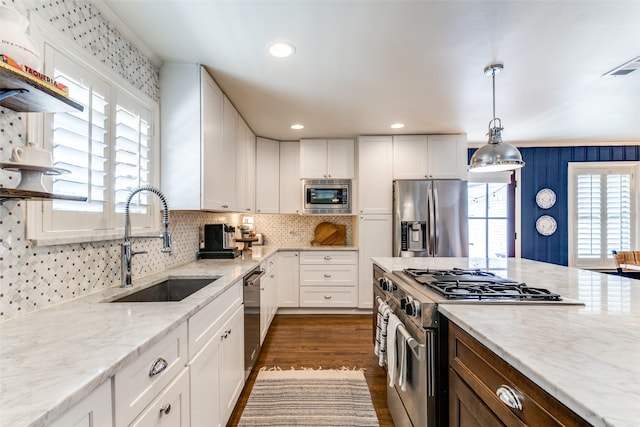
(362, 65)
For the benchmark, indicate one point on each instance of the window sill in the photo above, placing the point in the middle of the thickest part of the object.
(67, 240)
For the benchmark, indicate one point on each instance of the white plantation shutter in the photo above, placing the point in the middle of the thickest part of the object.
(602, 207)
(109, 148)
(79, 145)
(589, 209)
(132, 157)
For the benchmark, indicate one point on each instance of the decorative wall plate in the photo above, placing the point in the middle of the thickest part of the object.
(546, 225)
(546, 198)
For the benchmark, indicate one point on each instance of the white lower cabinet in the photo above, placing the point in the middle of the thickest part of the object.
(216, 367)
(231, 367)
(374, 234)
(95, 410)
(288, 279)
(170, 408)
(328, 279)
(143, 380)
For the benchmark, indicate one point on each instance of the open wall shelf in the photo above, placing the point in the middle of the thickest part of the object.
(12, 193)
(25, 94)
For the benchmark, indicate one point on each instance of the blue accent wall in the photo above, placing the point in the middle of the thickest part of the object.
(546, 167)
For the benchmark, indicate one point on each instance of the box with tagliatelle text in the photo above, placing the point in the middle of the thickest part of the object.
(8, 63)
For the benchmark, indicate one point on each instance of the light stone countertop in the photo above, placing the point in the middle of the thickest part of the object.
(52, 358)
(587, 357)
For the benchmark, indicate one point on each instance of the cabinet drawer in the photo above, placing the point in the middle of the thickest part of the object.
(136, 386)
(321, 275)
(328, 297)
(328, 257)
(207, 321)
(485, 373)
(170, 408)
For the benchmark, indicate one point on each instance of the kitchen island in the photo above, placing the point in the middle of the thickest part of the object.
(586, 356)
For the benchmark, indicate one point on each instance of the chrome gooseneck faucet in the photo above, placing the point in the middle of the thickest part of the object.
(127, 253)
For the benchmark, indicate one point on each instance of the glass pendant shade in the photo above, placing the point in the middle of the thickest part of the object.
(495, 156)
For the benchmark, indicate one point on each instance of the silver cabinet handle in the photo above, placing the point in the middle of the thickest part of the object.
(327, 297)
(165, 409)
(158, 366)
(509, 397)
(327, 257)
(327, 274)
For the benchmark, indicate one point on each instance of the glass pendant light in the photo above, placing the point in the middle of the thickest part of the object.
(495, 156)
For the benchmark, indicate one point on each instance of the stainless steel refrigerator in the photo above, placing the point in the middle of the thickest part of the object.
(430, 218)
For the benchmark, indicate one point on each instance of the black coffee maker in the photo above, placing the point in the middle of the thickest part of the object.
(219, 242)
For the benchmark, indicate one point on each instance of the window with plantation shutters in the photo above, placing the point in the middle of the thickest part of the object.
(602, 211)
(109, 149)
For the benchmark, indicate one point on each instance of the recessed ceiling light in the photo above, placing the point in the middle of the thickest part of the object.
(397, 126)
(297, 127)
(281, 49)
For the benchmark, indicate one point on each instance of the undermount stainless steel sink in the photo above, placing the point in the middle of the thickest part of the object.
(169, 290)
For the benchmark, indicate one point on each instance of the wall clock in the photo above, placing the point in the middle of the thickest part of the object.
(546, 225)
(546, 198)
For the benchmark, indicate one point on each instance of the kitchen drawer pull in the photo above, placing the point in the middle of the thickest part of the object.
(165, 409)
(509, 397)
(327, 297)
(327, 274)
(158, 366)
(327, 257)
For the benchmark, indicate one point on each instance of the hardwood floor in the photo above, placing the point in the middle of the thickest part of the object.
(321, 341)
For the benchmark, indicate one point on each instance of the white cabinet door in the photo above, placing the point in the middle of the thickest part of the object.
(410, 157)
(191, 135)
(447, 156)
(267, 175)
(290, 184)
(313, 158)
(288, 279)
(375, 175)
(374, 234)
(170, 408)
(430, 156)
(231, 358)
(212, 107)
(340, 158)
(326, 159)
(204, 385)
(225, 184)
(92, 411)
(245, 167)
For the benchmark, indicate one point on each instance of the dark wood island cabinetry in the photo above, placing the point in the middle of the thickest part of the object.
(477, 377)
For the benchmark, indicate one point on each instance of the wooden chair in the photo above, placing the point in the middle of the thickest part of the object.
(627, 263)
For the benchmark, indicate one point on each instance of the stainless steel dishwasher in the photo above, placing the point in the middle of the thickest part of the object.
(251, 297)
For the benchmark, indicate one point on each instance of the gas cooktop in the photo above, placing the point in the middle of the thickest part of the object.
(459, 284)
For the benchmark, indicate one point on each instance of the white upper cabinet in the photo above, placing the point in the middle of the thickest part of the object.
(430, 156)
(198, 125)
(290, 185)
(245, 167)
(327, 158)
(375, 175)
(267, 175)
(191, 134)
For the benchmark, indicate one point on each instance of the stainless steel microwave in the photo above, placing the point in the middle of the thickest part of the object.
(326, 196)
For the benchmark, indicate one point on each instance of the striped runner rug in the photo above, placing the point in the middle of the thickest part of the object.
(309, 398)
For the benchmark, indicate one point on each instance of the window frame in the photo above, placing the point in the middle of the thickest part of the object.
(573, 168)
(37, 124)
